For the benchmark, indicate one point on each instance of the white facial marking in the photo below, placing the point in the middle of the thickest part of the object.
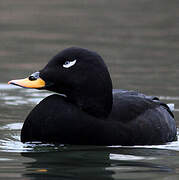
(68, 64)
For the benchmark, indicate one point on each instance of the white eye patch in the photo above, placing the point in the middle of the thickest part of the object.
(68, 64)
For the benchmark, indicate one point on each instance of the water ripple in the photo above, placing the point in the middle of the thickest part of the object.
(10, 141)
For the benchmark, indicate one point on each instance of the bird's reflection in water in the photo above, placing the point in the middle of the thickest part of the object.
(107, 163)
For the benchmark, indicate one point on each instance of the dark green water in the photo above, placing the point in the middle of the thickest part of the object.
(139, 41)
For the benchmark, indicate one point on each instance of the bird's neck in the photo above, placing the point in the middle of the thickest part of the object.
(95, 102)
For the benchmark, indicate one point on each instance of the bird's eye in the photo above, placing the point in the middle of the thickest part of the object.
(68, 64)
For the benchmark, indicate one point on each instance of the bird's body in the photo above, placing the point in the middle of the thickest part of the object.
(135, 119)
(92, 113)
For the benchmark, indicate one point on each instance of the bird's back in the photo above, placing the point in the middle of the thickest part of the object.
(149, 120)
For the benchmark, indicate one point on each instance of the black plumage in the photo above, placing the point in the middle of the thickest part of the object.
(91, 112)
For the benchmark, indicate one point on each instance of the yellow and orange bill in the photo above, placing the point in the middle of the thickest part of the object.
(26, 83)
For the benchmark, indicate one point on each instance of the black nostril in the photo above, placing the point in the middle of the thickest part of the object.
(32, 78)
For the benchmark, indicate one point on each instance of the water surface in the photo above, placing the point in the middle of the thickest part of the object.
(138, 40)
(36, 160)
